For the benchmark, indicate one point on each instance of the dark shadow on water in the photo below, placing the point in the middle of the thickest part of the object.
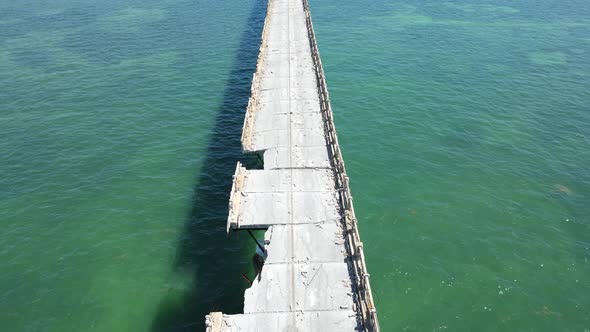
(204, 252)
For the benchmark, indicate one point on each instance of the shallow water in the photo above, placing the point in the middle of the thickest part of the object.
(464, 125)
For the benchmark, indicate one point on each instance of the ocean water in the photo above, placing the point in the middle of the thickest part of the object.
(464, 125)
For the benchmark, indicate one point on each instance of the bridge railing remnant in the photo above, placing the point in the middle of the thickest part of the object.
(353, 241)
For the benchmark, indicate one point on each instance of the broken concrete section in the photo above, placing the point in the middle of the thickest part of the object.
(314, 276)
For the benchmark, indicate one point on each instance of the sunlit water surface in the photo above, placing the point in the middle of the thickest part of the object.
(464, 125)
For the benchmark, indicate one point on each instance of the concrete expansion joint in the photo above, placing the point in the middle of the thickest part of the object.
(303, 262)
(303, 312)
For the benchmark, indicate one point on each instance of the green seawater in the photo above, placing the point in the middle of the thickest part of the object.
(465, 127)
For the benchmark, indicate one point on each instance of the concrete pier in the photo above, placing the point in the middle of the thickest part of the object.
(314, 277)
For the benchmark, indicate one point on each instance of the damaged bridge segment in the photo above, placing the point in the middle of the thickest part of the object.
(314, 276)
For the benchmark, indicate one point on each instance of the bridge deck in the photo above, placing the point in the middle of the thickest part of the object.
(308, 281)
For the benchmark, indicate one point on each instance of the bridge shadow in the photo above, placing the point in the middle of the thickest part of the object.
(204, 252)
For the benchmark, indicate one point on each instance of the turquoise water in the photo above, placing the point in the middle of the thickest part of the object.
(465, 127)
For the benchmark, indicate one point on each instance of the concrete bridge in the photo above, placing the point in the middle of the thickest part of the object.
(314, 276)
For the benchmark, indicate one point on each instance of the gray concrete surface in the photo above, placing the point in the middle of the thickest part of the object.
(305, 284)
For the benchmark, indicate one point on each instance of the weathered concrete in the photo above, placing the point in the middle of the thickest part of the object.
(314, 276)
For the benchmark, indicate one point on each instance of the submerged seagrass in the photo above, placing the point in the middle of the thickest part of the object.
(464, 126)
